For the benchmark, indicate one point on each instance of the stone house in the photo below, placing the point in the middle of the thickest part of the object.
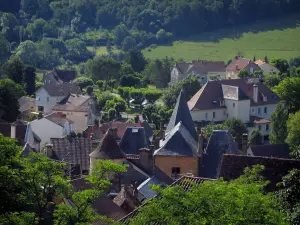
(203, 68)
(238, 64)
(59, 76)
(50, 94)
(246, 99)
(266, 67)
(81, 109)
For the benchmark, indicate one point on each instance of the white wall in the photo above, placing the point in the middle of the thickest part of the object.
(79, 119)
(46, 129)
(270, 109)
(43, 99)
(200, 115)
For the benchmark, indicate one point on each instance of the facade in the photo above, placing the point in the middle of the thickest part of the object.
(238, 64)
(266, 67)
(245, 99)
(50, 94)
(203, 68)
(51, 126)
(27, 106)
(58, 76)
(81, 109)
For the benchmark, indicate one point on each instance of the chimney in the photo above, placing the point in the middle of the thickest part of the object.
(49, 150)
(13, 130)
(244, 144)
(146, 159)
(236, 67)
(255, 93)
(200, 143)
(236, 57)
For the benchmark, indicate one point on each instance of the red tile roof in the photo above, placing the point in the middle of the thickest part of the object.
(258, 120)
(240, 64)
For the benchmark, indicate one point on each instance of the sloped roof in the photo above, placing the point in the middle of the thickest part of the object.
(275, 168)
(59, 76)
(73, 150)
(259, 120)
(178, 142)
(145, 187)
(61, 89)
(181, 113)
(239, 64)
(201, 66)
(134, 139)
(259, 62)
(27, 150)
(272, 150)
(221, 142)
(108, 148)
(73, 102)
(59, 119)
(208, 96)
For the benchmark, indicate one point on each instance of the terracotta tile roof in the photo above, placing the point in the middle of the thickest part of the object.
(61, 89)
(201, 66)
(73, 151)
(259, 62)
(258, 120)
(275, 168)
(209, 96)
(74, 103)
(181, 113)
(108, 148)
(58, 118)
(241, 63)
(273, 150)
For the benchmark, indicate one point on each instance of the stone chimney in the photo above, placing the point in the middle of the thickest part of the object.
(236, 57)
(200, 143)
(146, 158)
(236, 67)
(244, 144)
(255, 93)
(49, 150)
(13, 130)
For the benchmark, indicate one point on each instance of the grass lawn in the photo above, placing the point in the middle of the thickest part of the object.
(278, 38)
(101, 50)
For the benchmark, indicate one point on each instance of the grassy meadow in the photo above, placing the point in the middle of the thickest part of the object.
(278, 38)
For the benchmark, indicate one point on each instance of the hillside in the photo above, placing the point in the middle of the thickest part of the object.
(277, 39)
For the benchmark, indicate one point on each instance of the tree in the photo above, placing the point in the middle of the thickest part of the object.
(289, 196)
(278, 124)
(29, 79)
(29, 6)
(151, 95)
(208, 129)
(35, 30)
(129, 44)
(214, 202)
(81, 211)
(244, 74)
(10, 92)
(293, 130)
(237, 128)
(13, 69)
(281, 64)
(255, 138)
(83, 82)
(266, 59)
(288, 91)
(27, 53)
(4, 49)
(89, 90)
(126, 69)
(120, 33)
(163, 36)
(138, 96)
(130, 81)
(272, 80)
(137, 60)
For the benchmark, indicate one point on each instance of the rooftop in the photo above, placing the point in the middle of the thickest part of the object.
(201, 66)
(272, 150)
(73, 102)
(61, 89)
(58, 118)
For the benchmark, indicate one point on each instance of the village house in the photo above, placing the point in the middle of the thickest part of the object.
(50, 94)
(266, 67)
(81, 109)
(246, 99)
(51, 126)
(58, 76)
(238, 64)
(205, 69)
(27, 107)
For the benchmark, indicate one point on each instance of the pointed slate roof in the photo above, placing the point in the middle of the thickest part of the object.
(178, 142)
(182, 113)
(108, 148)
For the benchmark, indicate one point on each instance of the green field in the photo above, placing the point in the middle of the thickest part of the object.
(278, 38)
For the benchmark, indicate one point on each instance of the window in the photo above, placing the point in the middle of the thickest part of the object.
(258, 111)
(265, 110)
(259, 127)
(253, 110)
(47, 99)
(41, 108)
(267, 127)
(37, 98)
(251, 69)
(214, 114)
(233, 105)
(175, 172)
(206, 115)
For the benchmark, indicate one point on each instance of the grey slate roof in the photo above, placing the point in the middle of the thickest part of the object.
(61, 89)
(134, 139)
(145, 187)
(59, 76)
(221, 142)
(178, 142)
(277, 151)
(182, 113)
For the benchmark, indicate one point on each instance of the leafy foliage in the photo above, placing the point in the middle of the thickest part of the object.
(255, 138)
(278, 124)
(293, 129)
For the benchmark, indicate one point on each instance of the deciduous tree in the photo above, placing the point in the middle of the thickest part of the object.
(278, 124)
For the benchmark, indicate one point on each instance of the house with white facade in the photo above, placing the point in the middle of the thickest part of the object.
(246, 99)
(203, 68)
(81, 109)
(50, 94)
(266, 67)
(51, 126)
(238, 64)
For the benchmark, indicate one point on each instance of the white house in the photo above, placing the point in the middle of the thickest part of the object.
(48, 95)
(51, 126)
(203, 68)
(81, 109)
(266, 67)
(245, 99)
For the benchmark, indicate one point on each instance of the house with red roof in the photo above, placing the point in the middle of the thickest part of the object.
(238, 64)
